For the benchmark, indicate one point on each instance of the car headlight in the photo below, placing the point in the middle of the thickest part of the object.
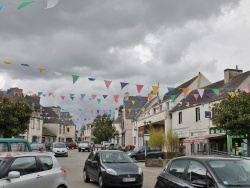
(111, 171)
(139, 170)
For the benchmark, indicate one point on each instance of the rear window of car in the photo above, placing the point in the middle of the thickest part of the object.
(59, 145)
(19, 146)
(177, 167)
(47, 162)
(3, 147)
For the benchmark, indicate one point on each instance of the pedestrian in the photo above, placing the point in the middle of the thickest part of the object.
(41, 149)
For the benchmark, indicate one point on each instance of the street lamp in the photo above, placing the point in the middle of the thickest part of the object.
(146, 138)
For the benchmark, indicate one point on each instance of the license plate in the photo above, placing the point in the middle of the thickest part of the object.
(128, 179)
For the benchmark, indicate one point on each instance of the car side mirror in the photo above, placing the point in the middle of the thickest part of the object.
(199, 183)
(13, 175)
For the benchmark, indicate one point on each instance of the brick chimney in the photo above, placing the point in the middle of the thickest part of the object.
(230, 73)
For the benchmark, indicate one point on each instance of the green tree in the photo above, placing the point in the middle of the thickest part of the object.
(233, 114)
(171, 141)
(103, 129)
(14, 117)
(157, 138)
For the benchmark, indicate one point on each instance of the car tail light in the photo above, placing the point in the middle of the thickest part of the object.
(63, 170)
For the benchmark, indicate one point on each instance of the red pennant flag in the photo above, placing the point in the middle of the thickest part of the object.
(62, 97)
(107, 83)
(116, 97)
(139, 87)
(93, 96)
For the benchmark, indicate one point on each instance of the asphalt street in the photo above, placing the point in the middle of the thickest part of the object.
(74, 169)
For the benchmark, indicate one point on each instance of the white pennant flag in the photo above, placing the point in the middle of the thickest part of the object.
(51, 3)
(201, 91)
(58, 74)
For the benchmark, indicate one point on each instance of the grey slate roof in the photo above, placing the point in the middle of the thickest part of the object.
(66, 118)
(135, 108)
(178, 90)
(50, 116)
(118, 120)
(224, 88)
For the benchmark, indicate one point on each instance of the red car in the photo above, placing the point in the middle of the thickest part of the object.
(71, 145)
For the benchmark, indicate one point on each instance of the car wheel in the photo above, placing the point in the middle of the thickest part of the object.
(79, 150)
(85, 176)
(159, 157)
(100, 181)
(61, 186)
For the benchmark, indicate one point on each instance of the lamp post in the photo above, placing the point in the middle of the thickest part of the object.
(146, 138)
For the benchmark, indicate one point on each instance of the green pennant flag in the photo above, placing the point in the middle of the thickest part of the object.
(24, 4)
(72, 95)
(216, 91)
(172, 98)
(99, 100)
(75, 77)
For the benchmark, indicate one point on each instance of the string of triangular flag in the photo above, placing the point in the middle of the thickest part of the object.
(23, 4)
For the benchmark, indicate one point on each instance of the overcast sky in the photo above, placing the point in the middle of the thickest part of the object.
(142, 42)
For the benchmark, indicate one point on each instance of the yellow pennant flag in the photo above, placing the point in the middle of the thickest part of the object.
(133, 102)
(231, 94)
(155, 89)
(143, 109)
(7, 62)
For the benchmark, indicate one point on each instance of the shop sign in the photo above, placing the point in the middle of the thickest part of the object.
(194, 140)
(216, 131)
(237, 136)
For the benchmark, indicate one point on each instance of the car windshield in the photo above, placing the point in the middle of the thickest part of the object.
(116, 158)
(3, 161)
(232, 172)
(59, 145)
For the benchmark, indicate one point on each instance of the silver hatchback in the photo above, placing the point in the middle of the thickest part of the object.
(31, 170)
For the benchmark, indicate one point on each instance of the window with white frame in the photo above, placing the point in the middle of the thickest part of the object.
(32, 123)
(180, 117)
(37, 124)
(197, 114)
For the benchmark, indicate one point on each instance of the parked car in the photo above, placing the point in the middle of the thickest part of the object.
(112, 168)
(71, 145)
(207, 172)
(114, 146)
(105, 144)
(48, 146)
(36, 146)
(84, 145)
(59, 149)
(152, 152)
(31, 169)
(14, 144)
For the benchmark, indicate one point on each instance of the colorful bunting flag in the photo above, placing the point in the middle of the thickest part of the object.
(172, 97)
(170, 90)
(1, 6)
(133, 102)
(93, 96)
(7, 62)
(107, 83)
(98, 100)
(105, 96)
(155, 89)
(138, 97)
(123, 84)
(51, 3)
(91, 79)
(139, 87)
(82, 96)
(25, 65)
(41, 70)
(216, 91)
(58, 74)
(75, 78)
(24, 4)
(185, 91)
(196, 96)
(201, 92)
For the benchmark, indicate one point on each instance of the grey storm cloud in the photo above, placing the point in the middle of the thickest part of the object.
(142, 41)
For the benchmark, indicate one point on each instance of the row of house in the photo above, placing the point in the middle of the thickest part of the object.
(47, 124)
(186, 110)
